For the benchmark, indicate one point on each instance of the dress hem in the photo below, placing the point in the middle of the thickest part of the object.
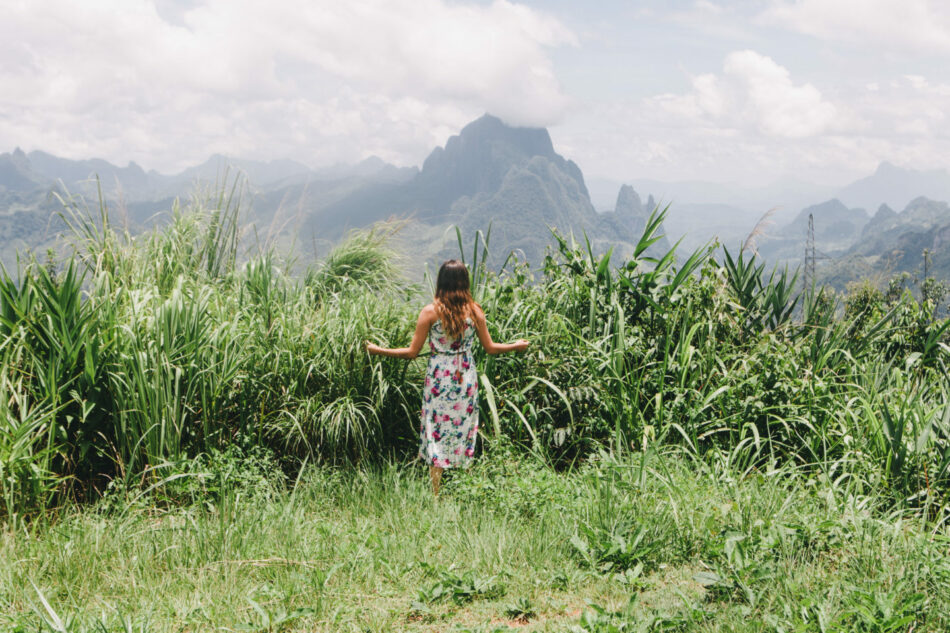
(467, 463)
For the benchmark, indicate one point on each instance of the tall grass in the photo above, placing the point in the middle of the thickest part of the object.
(144, 351)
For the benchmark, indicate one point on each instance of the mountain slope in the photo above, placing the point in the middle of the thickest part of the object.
(131, 178)
(896, 187)
(896, 242)
(834, 223)
(490, 174)
(533, 197)
(836, 229)
(17, 174)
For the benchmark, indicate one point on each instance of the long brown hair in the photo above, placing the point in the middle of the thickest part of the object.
(453, 300)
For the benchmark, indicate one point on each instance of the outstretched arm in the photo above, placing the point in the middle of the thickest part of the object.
(426, 318)
(481, 327)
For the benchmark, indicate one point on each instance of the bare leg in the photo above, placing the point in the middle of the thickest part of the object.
(435, 473)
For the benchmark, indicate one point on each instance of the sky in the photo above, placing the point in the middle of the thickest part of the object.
(748, 92)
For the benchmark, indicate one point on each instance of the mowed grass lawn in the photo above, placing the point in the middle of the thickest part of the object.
(667, 543)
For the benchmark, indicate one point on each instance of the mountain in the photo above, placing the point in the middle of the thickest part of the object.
(893, 243)
(260, 173)
(490, 174)
(474, 162)
(24, 172)
(883, 217)
(920, 222)
(629, 215)
(509, 178)
(531, 198)
(784, 195)
(834, 222)
(52, 168)
(629, 218)
(374, 168)
(28, 213)
(896, 187)
(701, 211)
(17, 174)
(479, 158)
(836, 229)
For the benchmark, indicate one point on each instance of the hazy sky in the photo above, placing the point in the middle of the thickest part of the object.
(747, 91)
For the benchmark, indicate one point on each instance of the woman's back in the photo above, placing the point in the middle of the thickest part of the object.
(440, 342)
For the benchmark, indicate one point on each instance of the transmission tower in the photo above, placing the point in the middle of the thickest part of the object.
(811, 253)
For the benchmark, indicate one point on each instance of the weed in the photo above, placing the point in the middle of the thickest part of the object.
(521, 611)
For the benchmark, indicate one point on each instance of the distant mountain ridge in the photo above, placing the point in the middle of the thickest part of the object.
(896, 187)
(835, 222)
(27, 172)
(53, 168)
(146, 197)
(491, 174)
(488, 175)
(480, 156)
(852, 243)
(894, 243)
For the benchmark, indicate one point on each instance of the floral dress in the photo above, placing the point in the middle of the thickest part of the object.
(449, 421)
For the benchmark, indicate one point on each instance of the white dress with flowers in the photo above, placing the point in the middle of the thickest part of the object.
(449, 423)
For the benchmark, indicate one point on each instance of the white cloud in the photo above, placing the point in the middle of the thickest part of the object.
(753, 122)
(779, 107)
(320, 81)
(914, 107)
(753, 90)
(908, 24)
(707, 7)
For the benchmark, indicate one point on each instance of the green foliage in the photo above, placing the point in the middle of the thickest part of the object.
(510, 483)
(144, 353)
(597, 619)
(457, 589)
(521, 610)
(363, 262)
(161, 350)
(267, 621)
(207, 479)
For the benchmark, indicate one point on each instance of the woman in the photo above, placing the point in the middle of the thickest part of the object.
(449, 422)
